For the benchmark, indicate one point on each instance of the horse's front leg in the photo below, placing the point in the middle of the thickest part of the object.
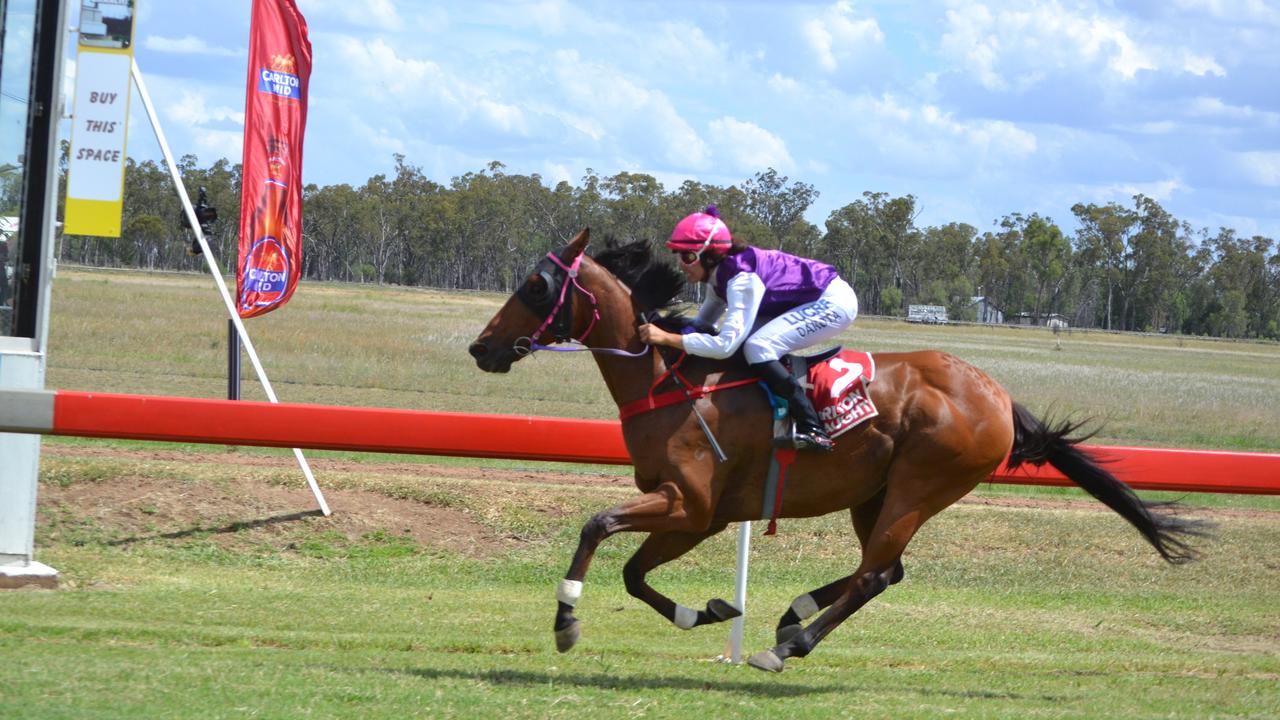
(665, 509)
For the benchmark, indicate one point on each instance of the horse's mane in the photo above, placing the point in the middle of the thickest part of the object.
(654, 284)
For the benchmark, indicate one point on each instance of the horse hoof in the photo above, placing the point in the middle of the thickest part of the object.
(568, 637)
(766, 660)
(786, 632)
(721, 610)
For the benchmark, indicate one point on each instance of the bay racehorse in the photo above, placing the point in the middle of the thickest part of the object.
(944, 427)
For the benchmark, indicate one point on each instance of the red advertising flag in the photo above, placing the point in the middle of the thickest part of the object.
(275, 116)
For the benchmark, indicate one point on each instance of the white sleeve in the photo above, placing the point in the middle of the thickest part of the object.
(744, 293)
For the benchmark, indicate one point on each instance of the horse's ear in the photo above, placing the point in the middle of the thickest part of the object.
(577, 245)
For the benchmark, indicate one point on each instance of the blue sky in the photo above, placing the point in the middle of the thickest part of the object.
(979, 110)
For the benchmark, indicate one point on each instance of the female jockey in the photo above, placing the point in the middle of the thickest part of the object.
(773, 303)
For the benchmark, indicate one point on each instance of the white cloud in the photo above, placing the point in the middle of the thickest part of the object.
(547, 16)
(213, 144)
(635, 119)
(1157, 127)
(1211, 107)
(188, 44)
(555, 173)
(748, 146)
(383, 139)
(1159, 190)
(1262, 167)
(1016, 46)
(192, 109)
(386, 76)
(1252, 12)
(783, 84)
(1201, 65)
(817, 167)
(970, 43)
(906, 137)
(382, 69)
(687, 47)
(837, 35)
(379, 14)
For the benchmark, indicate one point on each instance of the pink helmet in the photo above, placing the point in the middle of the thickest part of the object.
(700, 232)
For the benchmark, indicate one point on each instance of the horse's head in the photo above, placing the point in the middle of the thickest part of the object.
(543, 309)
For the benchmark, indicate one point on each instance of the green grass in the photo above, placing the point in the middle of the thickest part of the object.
(1011, 612)
(1036, 609)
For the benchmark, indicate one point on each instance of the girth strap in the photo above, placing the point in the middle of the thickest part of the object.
(774, 484)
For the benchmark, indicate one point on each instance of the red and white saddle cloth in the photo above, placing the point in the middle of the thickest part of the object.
(838, 389)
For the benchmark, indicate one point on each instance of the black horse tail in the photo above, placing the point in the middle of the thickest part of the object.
(1036, 443)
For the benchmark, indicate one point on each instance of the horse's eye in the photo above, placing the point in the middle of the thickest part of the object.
(537, 286)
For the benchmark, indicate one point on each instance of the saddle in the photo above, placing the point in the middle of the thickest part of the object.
(836, 381)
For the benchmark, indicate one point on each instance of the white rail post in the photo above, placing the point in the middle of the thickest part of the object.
(740, 592)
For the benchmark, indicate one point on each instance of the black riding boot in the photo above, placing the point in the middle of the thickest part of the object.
(809, 430)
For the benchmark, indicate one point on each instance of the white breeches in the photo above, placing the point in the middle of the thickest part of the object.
(806, 325)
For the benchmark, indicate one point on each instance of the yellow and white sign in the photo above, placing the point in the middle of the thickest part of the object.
(95, 182)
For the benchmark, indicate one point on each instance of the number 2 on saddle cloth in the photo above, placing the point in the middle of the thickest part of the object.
(836, 381)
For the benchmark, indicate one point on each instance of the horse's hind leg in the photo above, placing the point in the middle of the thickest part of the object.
(661, 548)
(808, 604)
(914, 496)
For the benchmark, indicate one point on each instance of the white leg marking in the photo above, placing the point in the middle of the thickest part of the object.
(685, 618)
(569, 591)
(804, 606)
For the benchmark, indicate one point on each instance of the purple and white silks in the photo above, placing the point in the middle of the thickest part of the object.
(773, 303)
(789, 281)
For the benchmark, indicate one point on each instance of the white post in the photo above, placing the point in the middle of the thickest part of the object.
(23, 359)
(217, 275)
(740, 593)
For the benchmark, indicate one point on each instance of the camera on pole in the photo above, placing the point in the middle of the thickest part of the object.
(206, 215)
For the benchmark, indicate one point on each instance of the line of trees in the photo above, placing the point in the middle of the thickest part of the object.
(1125, 268)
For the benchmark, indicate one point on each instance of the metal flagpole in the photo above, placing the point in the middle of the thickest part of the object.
(217, 274)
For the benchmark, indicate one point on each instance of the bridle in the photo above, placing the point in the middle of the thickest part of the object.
(559, 317)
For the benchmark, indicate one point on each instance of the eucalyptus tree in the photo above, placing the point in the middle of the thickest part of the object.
(940, 273)
(1161, 265)
(1243, 288)
(1048, 257)
(588, 202)
(1102, 244)
(635, 206)
(502, 226)
(871, 241)
(1001, 267)
(329, 230)
(779, 207)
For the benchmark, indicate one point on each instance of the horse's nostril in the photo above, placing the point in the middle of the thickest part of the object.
(477, 350)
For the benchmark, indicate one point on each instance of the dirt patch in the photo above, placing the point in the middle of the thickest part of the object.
(243, 514)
